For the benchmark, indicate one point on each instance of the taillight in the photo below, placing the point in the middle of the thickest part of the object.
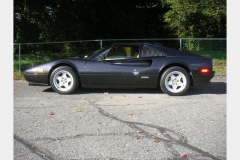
(205, 70)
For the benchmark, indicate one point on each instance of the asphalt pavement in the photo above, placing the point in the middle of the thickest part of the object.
(120, 124)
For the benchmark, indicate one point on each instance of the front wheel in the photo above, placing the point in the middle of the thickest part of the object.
(64, 80)
(175, 81)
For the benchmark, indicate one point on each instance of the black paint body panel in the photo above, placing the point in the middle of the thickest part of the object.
(142, 72)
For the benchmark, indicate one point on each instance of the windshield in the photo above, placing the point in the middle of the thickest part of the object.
(95, 53)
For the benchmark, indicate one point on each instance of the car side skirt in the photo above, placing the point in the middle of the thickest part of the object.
(118, 86)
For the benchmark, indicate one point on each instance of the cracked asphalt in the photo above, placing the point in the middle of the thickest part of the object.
(120, 124)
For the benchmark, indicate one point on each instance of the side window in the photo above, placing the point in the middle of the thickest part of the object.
(123, 52)
(151, 52)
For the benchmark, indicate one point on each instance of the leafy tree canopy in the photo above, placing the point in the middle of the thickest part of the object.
(69, 20)
(197, 18)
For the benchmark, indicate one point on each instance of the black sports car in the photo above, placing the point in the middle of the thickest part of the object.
(126, 65)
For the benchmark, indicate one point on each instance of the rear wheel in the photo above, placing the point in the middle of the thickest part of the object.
(175, 81)
(64, 80)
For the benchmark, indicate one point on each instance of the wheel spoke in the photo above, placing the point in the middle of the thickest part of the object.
(173, 77)
(65, 85)
(64, 75)
(59, 78)
(174, 87)
(181, 84)
(179, 78)
(60, 84)
(169, 83)
(69, 80)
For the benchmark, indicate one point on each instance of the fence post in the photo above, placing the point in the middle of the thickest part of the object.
(180, 44)
(19, 58)
(100, 43)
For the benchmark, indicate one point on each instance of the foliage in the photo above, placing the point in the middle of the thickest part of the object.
(197, 18)
(45, 21)
(220, 66)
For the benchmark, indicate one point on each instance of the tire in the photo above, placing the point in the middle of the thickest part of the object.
(64, 80)
(175, 81)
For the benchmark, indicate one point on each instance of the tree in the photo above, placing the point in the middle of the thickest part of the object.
(70, 20)
(197, 18)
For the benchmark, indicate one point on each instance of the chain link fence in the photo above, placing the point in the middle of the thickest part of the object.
(30, 54)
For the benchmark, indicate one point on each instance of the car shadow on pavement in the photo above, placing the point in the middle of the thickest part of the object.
(212, 88)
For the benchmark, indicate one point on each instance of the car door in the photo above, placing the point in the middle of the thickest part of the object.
(119, 68)
(152, 61)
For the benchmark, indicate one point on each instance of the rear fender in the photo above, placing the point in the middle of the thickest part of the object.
(179, 64)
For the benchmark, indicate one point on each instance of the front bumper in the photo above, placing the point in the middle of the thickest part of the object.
(40, 78)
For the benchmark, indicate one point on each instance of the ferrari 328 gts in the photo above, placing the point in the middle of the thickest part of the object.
(126, 65)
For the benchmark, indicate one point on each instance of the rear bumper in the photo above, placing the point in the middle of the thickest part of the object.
(202, 78)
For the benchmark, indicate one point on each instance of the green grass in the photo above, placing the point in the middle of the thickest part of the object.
(18, 76)
(220, 66)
